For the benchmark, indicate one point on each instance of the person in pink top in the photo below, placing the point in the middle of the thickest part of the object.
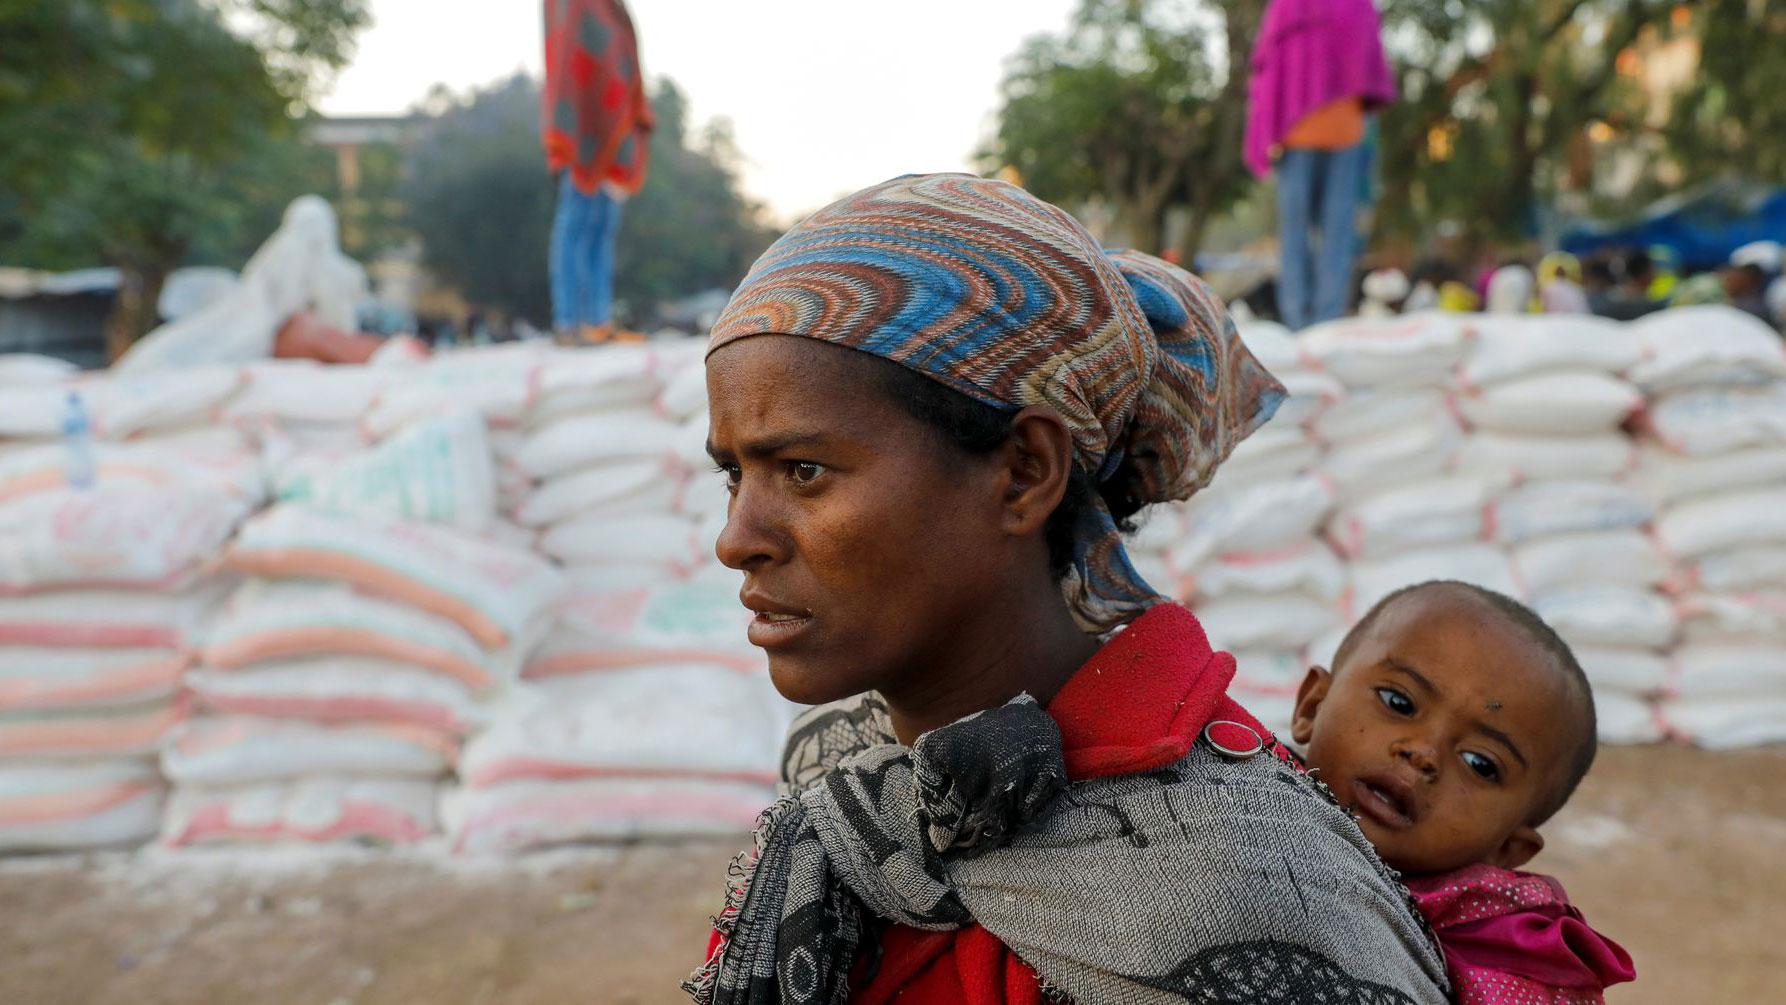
(1453, 724)
(1318, 74)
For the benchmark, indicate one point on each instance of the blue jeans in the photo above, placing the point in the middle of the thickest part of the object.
(1321, 190)
(582, 256)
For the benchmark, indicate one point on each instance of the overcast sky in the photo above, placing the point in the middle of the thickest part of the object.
(826, 96)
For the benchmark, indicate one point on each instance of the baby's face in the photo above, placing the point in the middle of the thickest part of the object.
(1444, 732)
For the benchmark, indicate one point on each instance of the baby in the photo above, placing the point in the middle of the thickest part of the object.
(1453, 724)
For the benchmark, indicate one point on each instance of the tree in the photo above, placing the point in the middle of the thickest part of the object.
(1734, 120)
(480, 199)
(1140, 105)
(143, 129)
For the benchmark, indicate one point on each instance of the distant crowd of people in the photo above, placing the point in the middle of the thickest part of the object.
(1622, 285)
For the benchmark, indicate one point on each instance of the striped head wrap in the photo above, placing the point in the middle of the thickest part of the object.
(979, 285)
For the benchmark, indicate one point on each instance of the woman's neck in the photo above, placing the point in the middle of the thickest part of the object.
(1024, 645)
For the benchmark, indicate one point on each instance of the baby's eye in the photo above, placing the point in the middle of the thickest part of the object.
(1395, 701)
(805, 472)
(1482, 766)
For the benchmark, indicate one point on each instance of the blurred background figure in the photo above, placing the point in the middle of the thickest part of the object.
(1753, 267)
(1385, 291)
(1559, 284)
(1318, 75)
(596, 123)
(1510, 290)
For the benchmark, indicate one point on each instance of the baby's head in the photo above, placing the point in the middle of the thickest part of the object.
(1454, 723)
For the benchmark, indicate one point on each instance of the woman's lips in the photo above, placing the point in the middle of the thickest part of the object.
(1385, 801)
(770, 630)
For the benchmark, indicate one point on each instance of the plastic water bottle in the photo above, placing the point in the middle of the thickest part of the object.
(77, 441)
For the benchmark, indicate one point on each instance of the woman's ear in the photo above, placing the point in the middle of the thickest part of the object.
(1520, 847)
(1308, 701)
(1038, 461)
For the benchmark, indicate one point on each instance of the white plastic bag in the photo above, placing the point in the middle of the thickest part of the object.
(240, 749)
(1552, 404)
(1311, 569)
(1260, 518)
(1425, 514)
(1507, 348)
(1717, 420)
(1712, 344)
(1608, 615)
(1478, 564)
(1409, 350)
(495, 592)
(1545, 509)
(1618, 557)
(1722, 522)
(438, 470)
(314, 809)
(339, 689)
(124, 537)
(1283, 621)
(1514, 457)
(618, 724)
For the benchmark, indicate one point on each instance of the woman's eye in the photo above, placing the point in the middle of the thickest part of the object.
(805, 472)
(1395, 701)
(1482, 765)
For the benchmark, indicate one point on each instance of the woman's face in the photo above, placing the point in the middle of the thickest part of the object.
(866, 543)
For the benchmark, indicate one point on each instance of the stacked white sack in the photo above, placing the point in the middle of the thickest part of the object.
(646, 712)
(1402, 515)
(1247, 554)
(338, 684)
(1714, 462)
(1547, 404)
(103, 590)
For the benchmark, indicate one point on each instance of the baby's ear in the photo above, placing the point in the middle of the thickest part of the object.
(1308, 702)
(1521, 847)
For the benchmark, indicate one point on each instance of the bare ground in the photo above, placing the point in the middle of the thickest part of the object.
(1679, 854)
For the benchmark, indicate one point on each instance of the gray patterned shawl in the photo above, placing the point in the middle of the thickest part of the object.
(1212, 880)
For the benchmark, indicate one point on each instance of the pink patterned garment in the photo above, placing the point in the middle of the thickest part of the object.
(1512, 938)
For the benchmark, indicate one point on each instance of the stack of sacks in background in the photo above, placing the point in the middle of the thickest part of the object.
(338, 683)
(645, 712)
(1245, 551)
(1546, 403)
(1714, 462)
(116, 498)
(1403, 514)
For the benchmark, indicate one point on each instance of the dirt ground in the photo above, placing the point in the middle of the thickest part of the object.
(1679, 854)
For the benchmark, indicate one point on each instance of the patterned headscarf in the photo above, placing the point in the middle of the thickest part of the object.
(979, 285)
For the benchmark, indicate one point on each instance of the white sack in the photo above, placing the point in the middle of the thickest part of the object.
(1615, 557)
(1552, 404)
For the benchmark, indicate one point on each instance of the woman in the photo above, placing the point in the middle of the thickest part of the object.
(934, 402)
(1318, 74)
(597, 122)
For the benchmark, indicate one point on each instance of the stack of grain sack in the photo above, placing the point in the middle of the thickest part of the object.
(645, 712)
(116, 498)
(1714, 463)
(385, 606)
(1245, 551)
(1546, 404)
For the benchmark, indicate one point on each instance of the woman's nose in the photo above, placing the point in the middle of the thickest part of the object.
(750, 538)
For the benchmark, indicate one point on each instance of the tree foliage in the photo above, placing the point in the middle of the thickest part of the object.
(481, 201)
(1135, 106)
(146, 130)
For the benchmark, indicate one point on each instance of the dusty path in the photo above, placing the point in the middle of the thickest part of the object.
(1679, 854)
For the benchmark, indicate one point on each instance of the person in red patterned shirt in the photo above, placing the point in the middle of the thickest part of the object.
(596, 123)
